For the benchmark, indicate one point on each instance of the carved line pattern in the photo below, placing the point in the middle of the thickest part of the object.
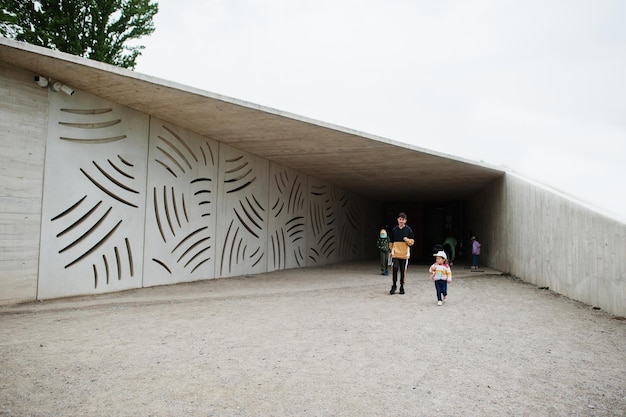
(349, 242)
(200, 245)
(118, 262)
(322, 218)
(91, 125)
(88, 111)
(129, 252)
(242, 243)
(170, 209)
(237, 246)
(289, 201)
(177, 153)
(163, 265)
(204, 156)
(100, 125)
(95, 246)
(201, 192)
(176, 157)
(114, 194)
(236, 176)
(95, 141)
(182, 142)
(106, 267)
(166, 208)
(113, 178)
(90, 230)
(120, 170)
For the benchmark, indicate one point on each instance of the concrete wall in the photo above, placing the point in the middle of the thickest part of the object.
(23, 127)
(98, 198)
(131, 201)
(552, 241)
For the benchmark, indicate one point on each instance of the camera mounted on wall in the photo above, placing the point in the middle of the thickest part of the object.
(55, 86)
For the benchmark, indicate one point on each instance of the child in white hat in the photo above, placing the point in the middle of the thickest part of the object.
(442, 275)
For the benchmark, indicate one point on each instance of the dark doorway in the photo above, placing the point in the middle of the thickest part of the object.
(434, 224)
(445, 229)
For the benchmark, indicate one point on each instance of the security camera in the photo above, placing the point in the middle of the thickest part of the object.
(57, 86)
(42, 81)
(67, 90)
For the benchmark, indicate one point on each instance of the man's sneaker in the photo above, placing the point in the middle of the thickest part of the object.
(439, 303)
(401, 290)
(392, 290)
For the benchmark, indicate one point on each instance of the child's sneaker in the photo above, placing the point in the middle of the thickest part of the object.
(445, 298)
(439, 303)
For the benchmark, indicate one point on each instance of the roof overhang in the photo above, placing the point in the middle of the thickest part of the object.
(364, 164)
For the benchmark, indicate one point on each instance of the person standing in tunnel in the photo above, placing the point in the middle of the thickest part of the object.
(475, 252)
(400, 241)
(383, 250)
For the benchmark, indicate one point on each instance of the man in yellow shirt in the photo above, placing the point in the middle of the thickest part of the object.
(400, 241)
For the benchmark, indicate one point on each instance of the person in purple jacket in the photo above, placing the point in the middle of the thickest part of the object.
(475, 252)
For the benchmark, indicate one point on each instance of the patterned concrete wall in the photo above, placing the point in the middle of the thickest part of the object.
(181, 206)
(129, 201)
(288, 194)
(243, 213)
(552, 241)
(352, 221)
(92, 233)
(323, 224)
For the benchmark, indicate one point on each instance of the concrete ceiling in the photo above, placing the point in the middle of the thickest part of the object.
(364, 164)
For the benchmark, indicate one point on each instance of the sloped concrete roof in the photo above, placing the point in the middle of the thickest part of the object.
(364, 164)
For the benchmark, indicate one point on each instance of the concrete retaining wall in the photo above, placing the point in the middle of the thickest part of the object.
(552, 241)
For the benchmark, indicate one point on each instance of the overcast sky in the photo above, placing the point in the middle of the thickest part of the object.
(535, 86)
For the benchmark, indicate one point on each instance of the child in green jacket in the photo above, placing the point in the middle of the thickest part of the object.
(383, 249)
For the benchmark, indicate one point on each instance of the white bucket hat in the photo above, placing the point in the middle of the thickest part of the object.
(441, 254)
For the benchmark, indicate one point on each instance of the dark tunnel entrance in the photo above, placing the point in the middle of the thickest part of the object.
(435, 225)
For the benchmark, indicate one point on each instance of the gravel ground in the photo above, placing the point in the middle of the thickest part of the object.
(326, 341)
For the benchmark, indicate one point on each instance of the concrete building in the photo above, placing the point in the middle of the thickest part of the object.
(113, 180)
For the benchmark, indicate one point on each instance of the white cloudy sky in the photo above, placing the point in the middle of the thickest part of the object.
(536, 86)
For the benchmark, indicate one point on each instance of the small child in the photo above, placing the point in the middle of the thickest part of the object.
(383, 249)
(442, 275)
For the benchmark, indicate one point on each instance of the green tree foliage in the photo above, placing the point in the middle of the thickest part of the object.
(95, 29)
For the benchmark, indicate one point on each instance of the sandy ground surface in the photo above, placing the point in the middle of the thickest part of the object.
(326, 341)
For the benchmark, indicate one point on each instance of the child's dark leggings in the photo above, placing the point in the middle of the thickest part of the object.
(441, 285)
(384, 258)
